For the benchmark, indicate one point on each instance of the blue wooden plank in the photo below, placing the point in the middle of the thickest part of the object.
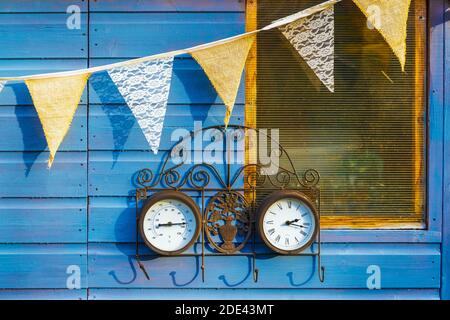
(112, 219)
(444, 23)
(436, 117)
(113, 127)
(43, 294)
(378, 235)
(402, 266)
(25, 174)
(16, 92)
(263, 294)
(115, 35)
(27, 35)
(43, 220)
(41, 6)
(113, 173)
(21, 130)
(189, 85)
(437, 129)
(41, 266)
(167, 6)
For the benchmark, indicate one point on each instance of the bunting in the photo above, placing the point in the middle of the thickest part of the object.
(56, 100)
(390, 18)
(145, 88)
(144, 83)
(223, 63)
(313, 38)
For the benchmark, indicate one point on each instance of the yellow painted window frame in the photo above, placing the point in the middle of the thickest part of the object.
(351, 222)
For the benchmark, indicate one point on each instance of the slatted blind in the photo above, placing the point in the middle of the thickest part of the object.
(367, 139)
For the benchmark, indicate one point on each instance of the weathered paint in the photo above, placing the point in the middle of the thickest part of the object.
(445, 291)
(85, 212)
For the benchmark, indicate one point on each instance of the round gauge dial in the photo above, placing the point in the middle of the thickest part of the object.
(169, 222)
(288, 222)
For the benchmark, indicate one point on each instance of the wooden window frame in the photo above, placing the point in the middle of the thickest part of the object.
(386, 222)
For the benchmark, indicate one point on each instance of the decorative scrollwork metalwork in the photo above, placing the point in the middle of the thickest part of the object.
(310, 178)
(228, 220)
(228, 216)
(144, 177)
(201, 175)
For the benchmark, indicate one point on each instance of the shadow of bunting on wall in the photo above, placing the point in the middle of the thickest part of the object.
(366, 139)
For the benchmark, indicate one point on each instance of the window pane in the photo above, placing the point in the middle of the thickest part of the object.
(366, 139)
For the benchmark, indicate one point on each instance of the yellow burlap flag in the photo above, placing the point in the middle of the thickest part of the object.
(223, 63)
(390, 18)
(56, 100)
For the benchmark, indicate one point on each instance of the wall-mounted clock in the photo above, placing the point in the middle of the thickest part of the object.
(288, 222)
(169, 222)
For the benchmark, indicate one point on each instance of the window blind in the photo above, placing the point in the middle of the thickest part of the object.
(367, 139)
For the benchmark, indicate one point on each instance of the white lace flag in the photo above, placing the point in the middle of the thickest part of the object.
(2, 84)
(145, 88)
(313, 38)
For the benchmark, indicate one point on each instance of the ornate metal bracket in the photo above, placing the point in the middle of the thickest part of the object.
(228, 217)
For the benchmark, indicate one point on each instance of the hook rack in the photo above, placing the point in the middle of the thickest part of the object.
(196, 181)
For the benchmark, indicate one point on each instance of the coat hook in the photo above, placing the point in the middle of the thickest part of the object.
(141, 266)
(255, 274)
(322, 274)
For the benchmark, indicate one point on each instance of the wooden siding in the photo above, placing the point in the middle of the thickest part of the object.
(81, 212)
(445, 24)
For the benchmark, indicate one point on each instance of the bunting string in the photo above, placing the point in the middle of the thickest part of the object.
(144, 83)
(224, 65)
(313, 38)
(145, 88)
(391, 21)
(56, 100)
(275, 24)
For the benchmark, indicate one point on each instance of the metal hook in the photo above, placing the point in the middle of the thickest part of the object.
(321, 274)
(320, 268)
(255, 274)
(203, 272)
(255, 269)
(141, 266)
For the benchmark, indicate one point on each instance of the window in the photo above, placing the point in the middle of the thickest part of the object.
(368, 138)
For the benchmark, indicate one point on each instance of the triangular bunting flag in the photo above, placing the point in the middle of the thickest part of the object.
(390, 18)
(2, 85)
(223, 64)
(145, 88)
(313, 38)
(56, 100)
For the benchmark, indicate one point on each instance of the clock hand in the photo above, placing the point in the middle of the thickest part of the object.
(297, 225)
(291, 222)
(169, 224)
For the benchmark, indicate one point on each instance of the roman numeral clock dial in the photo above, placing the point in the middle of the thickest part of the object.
(169, 222)
(287, 222)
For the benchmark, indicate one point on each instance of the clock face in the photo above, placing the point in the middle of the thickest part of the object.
(288, 223)
(169, 225)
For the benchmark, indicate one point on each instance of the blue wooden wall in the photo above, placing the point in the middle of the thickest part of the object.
(81, 212)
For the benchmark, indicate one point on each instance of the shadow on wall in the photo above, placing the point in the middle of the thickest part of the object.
(33, 140)
(118, 113)
(198, 88)
(125, 231)
(122, 119)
